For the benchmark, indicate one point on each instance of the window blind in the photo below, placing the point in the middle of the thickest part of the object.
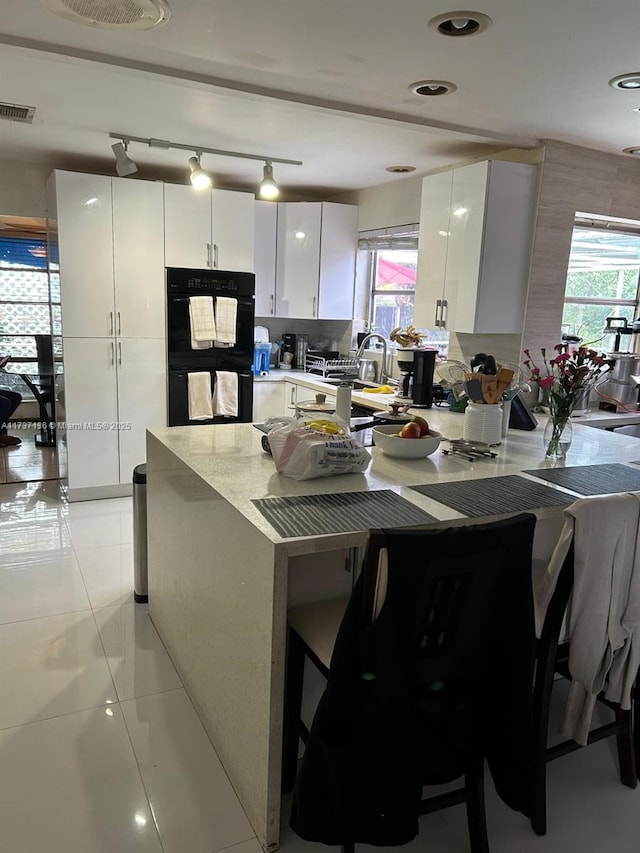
(395, 237)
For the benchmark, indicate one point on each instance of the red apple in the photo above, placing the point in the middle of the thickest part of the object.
(411, 430)
(424, 426)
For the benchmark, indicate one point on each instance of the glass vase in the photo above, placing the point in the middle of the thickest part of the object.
(558, 435)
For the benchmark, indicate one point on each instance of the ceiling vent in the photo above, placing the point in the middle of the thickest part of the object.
(16, 112)
(112, 14)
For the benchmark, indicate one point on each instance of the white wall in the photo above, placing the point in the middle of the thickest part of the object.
(23, 188)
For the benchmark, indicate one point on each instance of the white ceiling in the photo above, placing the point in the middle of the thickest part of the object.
(325, 83)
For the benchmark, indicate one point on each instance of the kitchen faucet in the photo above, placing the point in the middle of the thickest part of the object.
(384, 377)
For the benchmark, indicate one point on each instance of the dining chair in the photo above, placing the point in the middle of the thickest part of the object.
(552, 660)
(434, 618)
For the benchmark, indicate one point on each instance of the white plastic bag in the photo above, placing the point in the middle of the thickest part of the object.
(303, 452)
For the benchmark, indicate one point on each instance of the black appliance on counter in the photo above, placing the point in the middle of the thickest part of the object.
(182, 359)
(416, 380)
(289, 345)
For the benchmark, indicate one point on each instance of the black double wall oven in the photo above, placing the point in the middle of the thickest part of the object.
(182, 359)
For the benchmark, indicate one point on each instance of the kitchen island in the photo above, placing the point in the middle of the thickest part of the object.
(221, 578)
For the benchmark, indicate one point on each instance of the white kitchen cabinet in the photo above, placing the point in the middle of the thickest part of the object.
(138, 248)
(266, 224)
(187, 227)
(208, 229)
(114, 390)
(268, 400)
(315, 260)
(232, 218)
(80, 222)
(291, 396)
(142, 396)
(91, 408)
(475, 249)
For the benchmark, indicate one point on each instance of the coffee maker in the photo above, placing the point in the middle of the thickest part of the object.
(288, 346)
(416, 368)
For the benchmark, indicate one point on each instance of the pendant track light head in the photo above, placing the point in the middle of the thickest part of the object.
(200, 179)
(124, 164)
(268, 187)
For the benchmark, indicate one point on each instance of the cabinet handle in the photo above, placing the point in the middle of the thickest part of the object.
(215, 255)
(209, 255)
(119, 324)
(113, 354)
(119, 352)
(438, 306)
(110, 322)
(444, 317)
(271, 298)
(293, 394)
(313, 310)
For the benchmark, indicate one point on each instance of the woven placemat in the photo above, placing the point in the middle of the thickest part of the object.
(592, 479)
(493, 495)
(318, 515)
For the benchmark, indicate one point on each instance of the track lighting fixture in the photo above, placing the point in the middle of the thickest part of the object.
(124, 164)
(268, 187)
(200, 179)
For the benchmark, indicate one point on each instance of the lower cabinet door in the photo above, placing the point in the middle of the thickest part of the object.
(268, 400)
(91, 411)
(142, 398)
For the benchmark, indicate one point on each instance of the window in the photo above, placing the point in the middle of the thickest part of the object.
(602, 279)
(392, 263)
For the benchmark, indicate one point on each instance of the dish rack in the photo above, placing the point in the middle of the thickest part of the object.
(332, 367)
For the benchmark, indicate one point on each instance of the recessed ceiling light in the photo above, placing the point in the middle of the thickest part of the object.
(635, 149)
(626, 81)
(400, 170)
(432, 87)
(460, 23)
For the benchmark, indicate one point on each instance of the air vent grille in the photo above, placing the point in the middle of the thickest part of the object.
(16, 112)
(112, 14)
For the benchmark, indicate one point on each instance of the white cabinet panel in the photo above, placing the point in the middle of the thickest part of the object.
(232, 217)
(298, 259)
(142, 397)
(91, 399)
(82, 206)
(268, 400)
(432, 255)
(138, 250)
(266, 223)
(338, 245)
(475, 248)
(187, 227)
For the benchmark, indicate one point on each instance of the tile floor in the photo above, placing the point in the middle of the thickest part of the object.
(101, 750)
(25, 463)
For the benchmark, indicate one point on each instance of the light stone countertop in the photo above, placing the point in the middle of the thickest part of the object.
(229, 459)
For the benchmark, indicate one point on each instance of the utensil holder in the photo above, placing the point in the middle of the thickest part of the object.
(483, 422)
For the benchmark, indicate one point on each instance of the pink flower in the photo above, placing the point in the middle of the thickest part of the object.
(535, 371)
(558, 347)
(546, 382)
(563, 356)
(527, 363)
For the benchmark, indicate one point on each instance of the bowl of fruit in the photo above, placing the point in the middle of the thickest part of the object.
(413, 441)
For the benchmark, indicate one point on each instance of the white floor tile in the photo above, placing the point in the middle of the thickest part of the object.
(52, 666)
(107, 574)
(93, 531)
(71, 785)
(138, 661)
(194, 804)
(33, 537)
(40, 584)
(250, 846)
(87, 509)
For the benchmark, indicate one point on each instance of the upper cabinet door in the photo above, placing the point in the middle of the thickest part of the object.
(187, 227)
(138, 253)
(464, 253)
(432, 250)
(232, 216)
(82, 206)
(266, 223)
(338, 245)
(298, 259)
